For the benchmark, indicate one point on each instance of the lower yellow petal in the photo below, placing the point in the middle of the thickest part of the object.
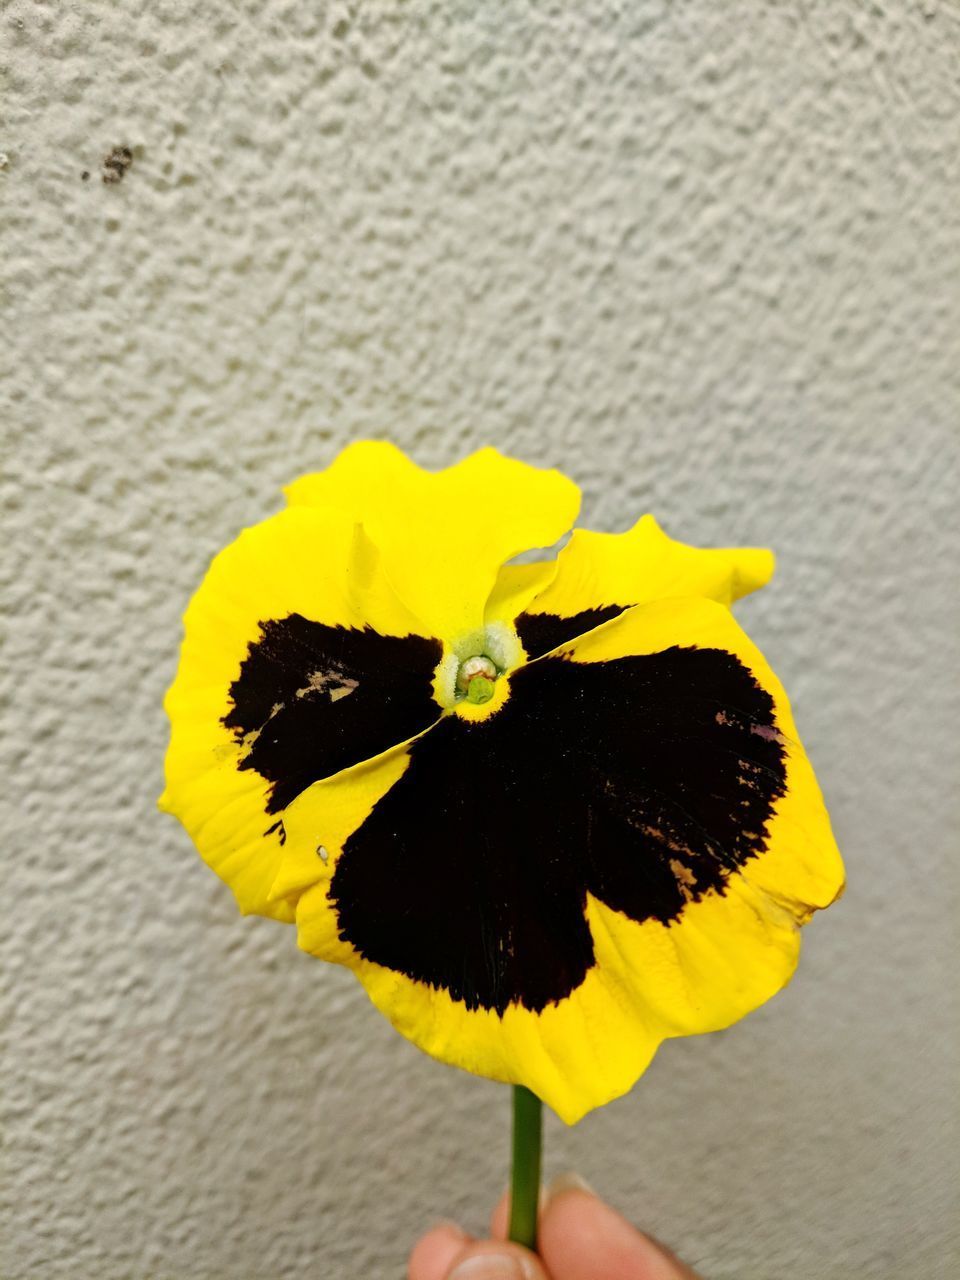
(722, 955)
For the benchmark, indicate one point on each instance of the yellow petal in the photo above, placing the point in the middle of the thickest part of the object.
(597, 573)
(516, 586)
(318, 567)
(444, 535)
(802, 868)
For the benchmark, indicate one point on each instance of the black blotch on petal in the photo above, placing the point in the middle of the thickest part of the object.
(451, 879)
(644, 781)
(541, 632)
(312, 699)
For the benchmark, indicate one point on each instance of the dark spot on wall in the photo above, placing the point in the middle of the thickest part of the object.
(85, 176)
(115, 164)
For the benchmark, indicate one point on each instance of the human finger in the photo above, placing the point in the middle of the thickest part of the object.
(496, 1260)
(433, 1254)
(499, 1219)
(581, 1238)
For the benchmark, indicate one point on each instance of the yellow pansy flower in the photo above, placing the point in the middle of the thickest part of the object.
(549, 813)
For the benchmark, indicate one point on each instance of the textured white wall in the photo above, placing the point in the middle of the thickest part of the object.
(706, 258)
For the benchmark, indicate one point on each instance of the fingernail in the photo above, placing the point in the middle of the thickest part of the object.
(491, 1266)
(568, 1181)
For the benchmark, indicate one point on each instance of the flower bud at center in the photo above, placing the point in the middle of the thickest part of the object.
(476, 677)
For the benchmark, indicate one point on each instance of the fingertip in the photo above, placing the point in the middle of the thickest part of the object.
(500, 1217)
(432, 1256)
(582, 1238)
(568, 1181)
(496, 1260)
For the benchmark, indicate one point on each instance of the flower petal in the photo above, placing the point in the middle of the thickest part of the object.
(622, 853)
(516, 586)
(599, 575)
(298, 660)
(444, 535)
(800, 866)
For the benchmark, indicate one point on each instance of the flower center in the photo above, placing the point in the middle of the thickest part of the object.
(476, 677)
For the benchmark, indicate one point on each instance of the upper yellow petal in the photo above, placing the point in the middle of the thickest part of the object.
(515, 587)
(444, 535)
(643, 564)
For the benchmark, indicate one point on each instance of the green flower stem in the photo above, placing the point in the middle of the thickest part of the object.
(525, 1175)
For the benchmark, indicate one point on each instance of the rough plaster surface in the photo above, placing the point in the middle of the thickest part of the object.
(705, 257)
